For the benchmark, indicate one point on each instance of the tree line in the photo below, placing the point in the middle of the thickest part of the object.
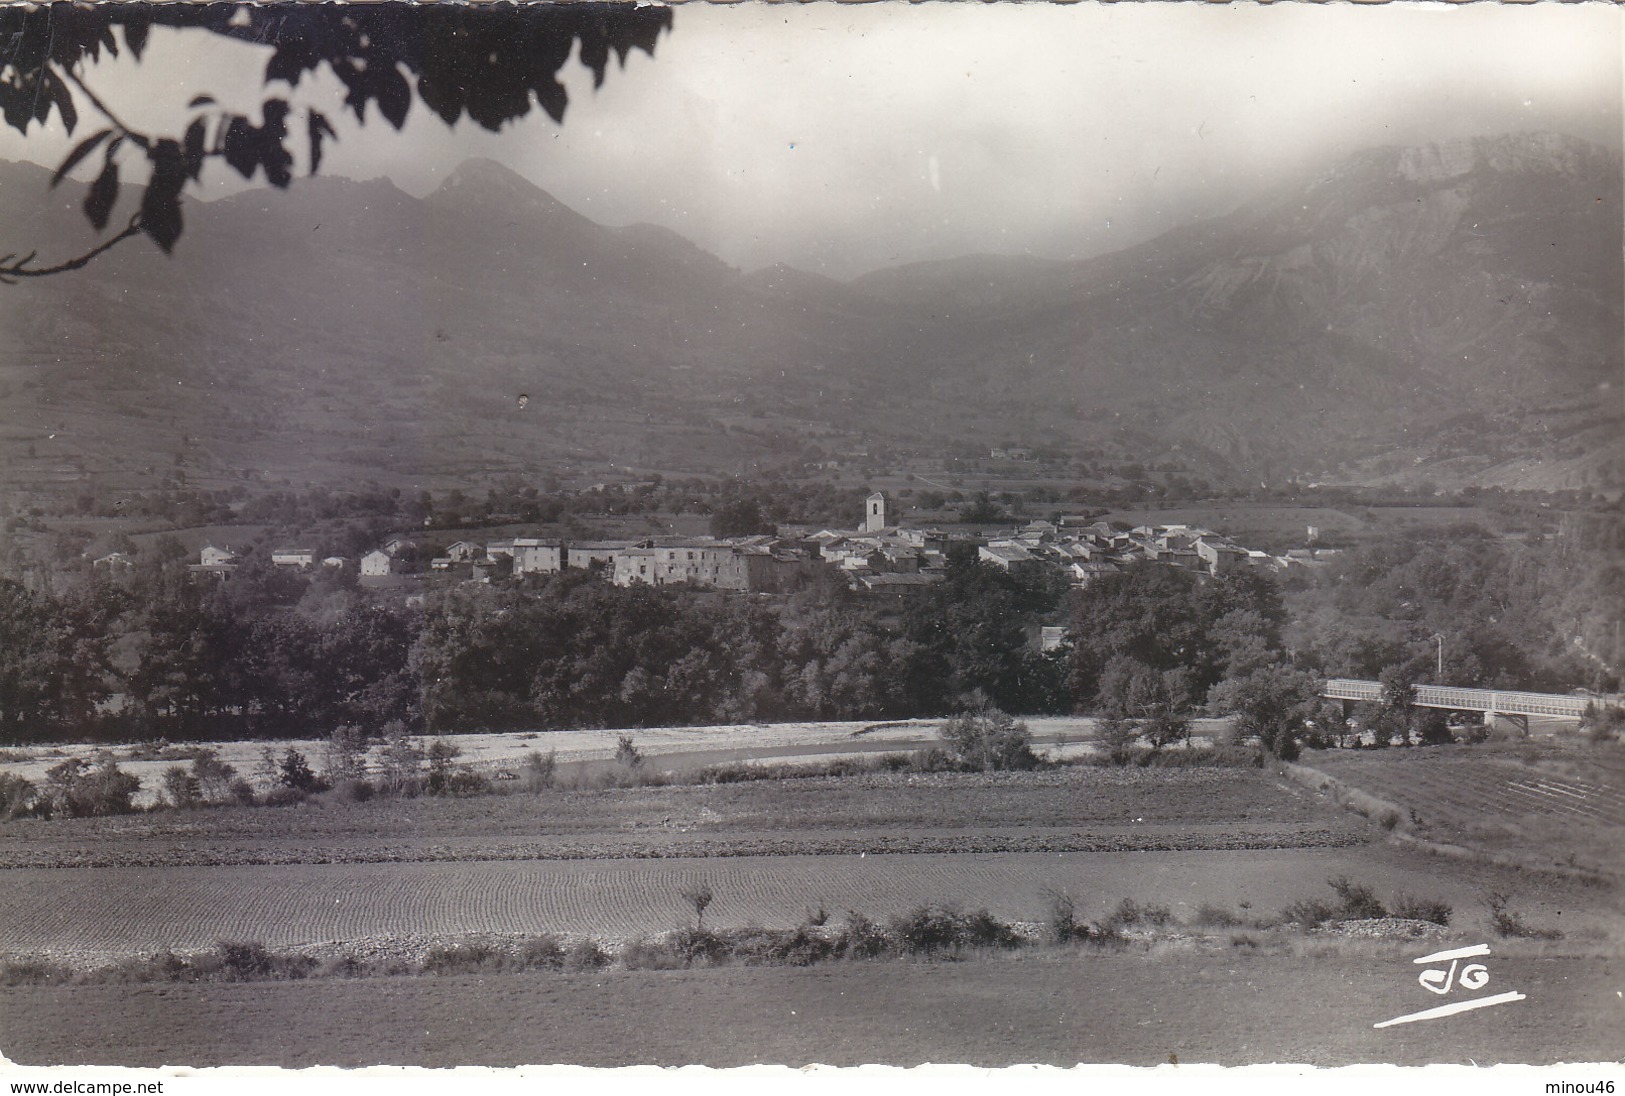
(277, 654)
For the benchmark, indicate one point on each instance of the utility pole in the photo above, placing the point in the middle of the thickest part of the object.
(1438, 637)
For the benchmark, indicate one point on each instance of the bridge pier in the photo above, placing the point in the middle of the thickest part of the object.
(1516, 719)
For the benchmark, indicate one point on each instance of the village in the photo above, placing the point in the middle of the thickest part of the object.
(880, 557)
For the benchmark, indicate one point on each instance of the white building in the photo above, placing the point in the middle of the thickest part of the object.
(302, 558)
(212, 556)
(536, 557)
(874, 517)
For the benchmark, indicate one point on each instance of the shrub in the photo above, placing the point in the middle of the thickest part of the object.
(643, 953)
(1421, 909)
(989, 740)
(1309, 913)
(1130, 912)
(216, 780)
(1602, 723)
(181, 789)
(33, 972)
(77, 789)
(469, 957)
(1228, 756)
(540, 770)
(347, 966)
(930, 930)
(1509, 924)
(863, 939)
(294, 771)
(1061, 918)
(691, 946)
(352, 791)
(627, 754)
(540, 953)
(797, 947)
(441, 754)
(1432, 728)
(281, 796)
(982, 930)
(250, 962)
(699, 896)
(449, 779)
(17, 796)
(465, 783)
(165, 966)
(927, 930)
(933, 759)
(1117, 737)
(585, 955)
(1359, 902)
(345, 755)
(1216, 917)
(402, 759)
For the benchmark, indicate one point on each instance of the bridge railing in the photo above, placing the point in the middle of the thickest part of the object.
(1459, 698)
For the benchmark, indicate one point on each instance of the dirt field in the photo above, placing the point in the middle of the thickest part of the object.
(1062, 1009)
(1557, 802)
(614, 863)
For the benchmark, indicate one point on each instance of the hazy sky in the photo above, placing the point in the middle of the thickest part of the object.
(844, 138)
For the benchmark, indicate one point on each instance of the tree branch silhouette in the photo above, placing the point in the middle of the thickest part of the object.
(489, 62)
(12, 267)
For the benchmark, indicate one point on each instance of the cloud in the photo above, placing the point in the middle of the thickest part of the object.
(845, 137)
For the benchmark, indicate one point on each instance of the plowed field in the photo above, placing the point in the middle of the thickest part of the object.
(1558, 803)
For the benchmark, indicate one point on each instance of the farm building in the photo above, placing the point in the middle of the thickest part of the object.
(302, 558)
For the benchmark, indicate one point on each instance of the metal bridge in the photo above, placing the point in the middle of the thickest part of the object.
(1492, 702)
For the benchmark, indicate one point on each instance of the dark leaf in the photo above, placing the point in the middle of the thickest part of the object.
(443, 97)
(289, 63)
(595, 55)
(161, 201)
(135, 32)
(276, 160)
(393, 94)
(201, 101)
(192, 150)
(103, 193)
(43, 101)
(551, 94)
(275, 113)
(16, 102)
(81, 150)
(63, 98)
(242, 151)
(317, 127)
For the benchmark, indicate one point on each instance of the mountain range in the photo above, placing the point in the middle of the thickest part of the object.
(1451, 312)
